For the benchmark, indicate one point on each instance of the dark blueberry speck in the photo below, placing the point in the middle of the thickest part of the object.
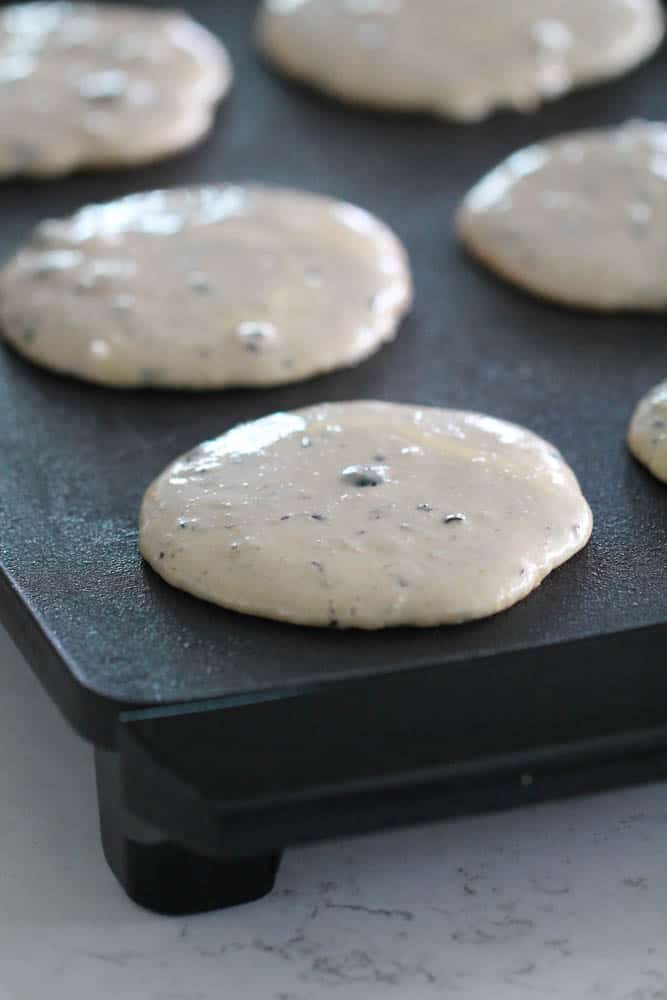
(198, 282)
(149, 376)
(29, 334)
(424, 506)
(364, 475)
(318, 517)
(161, 556)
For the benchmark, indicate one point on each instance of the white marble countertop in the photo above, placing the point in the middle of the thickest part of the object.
(566, 900)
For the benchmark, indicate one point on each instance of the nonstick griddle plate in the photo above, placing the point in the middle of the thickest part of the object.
(103, 631)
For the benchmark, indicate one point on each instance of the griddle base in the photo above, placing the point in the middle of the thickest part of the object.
(163, 876)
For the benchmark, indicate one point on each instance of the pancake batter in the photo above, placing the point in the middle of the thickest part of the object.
(647, 434)
(101, 85)
(206, 287)
(580, 219)
(458, 58)
(365, 515)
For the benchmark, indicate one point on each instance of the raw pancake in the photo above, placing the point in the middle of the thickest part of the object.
(647, 434)
(102, 85)
(580, 219)
(365, 515)
(457, 58)
(206, 287)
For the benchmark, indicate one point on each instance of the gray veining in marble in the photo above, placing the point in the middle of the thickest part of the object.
(565, 901)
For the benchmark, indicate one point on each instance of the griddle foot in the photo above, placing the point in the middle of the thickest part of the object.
(165, 877)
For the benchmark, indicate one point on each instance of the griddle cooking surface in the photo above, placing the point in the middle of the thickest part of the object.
(76, 458)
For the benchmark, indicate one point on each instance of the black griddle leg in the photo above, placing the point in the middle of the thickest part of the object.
(163, 876)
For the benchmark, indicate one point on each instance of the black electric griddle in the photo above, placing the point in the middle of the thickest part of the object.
(222, 738)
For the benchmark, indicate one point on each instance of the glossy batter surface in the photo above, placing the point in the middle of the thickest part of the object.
(103, 85)
(457, 58)
(206, 287)
(580, 219)
(647, 434)
(365, 515)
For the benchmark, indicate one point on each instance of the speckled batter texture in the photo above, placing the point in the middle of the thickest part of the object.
(206, 287)
(100, 85)
(365, 515)
(647, 433)
(580, 219)
(457, 58)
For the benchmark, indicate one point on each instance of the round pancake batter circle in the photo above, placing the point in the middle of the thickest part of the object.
(579, 219)
(460, 59)
(365, 515)
(206, 287)
(647, 433)
(103, 85)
